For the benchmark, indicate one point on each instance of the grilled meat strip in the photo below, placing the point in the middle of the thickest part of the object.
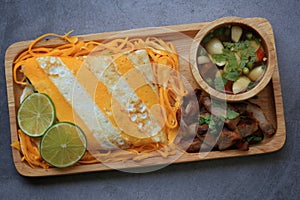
(258, 114)
(247, 125)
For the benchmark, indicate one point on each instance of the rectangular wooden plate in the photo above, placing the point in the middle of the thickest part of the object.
(269, 99)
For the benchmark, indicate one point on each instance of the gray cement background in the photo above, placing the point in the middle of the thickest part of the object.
(269, 176)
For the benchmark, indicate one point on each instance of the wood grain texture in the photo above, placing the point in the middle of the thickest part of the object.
(269, 98)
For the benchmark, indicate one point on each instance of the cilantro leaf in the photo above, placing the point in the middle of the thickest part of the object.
(219, 31)
(204, 119)
(236, 46)
(248, 56)
(209, 81)
(228, 112)
(220, 57)
(244, 58)
(231, 76)
(219, 83)
(207, 38)
(215, 124)
(251, 85)
(254, 138)
(228, 44)
(252, 54)
(231, 114)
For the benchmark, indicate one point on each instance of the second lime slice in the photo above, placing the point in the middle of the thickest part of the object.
(63, 144)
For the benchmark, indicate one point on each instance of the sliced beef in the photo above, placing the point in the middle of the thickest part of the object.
(257, 134)
(242, 145)
(209, 139)
(198, 144)
(205, 148)
(191, 112)
(228, 138)
(178, 116)
(202, 129)
(232, 123)
(207, 103)
(259, 115)
(195, 146)
(247, 125)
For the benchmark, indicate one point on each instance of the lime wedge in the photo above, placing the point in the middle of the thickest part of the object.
(36, 114)
(63, 144)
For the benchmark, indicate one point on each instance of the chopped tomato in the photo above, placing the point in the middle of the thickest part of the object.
(260, 54)
(228, 87)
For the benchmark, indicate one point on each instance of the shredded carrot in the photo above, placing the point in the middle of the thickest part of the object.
(30, 151)
(16, 144)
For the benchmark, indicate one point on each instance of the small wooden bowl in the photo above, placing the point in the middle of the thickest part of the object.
(268, 46)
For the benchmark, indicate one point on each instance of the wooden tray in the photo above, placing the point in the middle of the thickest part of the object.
(269, 99)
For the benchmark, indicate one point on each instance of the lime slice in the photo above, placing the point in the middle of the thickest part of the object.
(36, 114)
(63, 144)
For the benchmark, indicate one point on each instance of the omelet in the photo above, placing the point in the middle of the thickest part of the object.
(112, 98)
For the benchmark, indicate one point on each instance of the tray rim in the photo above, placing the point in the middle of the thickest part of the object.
(22, 168)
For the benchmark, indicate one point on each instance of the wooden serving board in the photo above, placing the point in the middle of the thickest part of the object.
(270, 99)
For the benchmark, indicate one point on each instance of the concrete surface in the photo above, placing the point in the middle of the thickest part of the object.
(270, 176)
